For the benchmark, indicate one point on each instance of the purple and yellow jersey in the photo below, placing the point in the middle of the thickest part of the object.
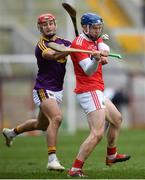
(51, 72)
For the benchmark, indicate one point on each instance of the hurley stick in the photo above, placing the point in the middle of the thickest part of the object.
(72, 12)
(63, 48)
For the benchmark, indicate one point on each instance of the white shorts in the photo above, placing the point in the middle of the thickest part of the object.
(41, 94)
(90, 101)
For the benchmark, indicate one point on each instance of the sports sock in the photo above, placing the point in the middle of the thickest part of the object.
(78, 164)
(111, 152)
(52, 153)
(51, 150)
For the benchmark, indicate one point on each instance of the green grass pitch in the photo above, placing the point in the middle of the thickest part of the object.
(27, 158)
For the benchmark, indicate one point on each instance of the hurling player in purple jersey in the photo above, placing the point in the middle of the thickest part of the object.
(48, 89)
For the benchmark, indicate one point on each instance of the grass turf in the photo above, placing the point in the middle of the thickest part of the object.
(27, 159)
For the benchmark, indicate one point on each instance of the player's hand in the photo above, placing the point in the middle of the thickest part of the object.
(96, 55)
(104, 53)
(103, 60)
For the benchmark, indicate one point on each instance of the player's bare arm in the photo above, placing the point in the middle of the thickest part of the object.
(54, 55)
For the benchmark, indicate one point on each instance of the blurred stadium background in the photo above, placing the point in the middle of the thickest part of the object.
(125, 24)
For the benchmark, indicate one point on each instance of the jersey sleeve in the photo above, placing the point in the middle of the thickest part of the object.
(66, 43)
(99, 40)
(102, 45)
(43, 47)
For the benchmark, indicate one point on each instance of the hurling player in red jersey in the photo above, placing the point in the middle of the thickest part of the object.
(48, 89)
(89, 91)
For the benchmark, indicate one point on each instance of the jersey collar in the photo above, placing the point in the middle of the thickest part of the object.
(51, 39)
(85, 37)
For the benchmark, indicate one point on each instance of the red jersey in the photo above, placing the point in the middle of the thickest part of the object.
(85, 83)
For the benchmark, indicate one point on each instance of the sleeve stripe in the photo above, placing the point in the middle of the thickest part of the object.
(45, 51)
(41, 45)
(42, 42)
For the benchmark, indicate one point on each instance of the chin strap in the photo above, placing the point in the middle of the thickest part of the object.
(90, 37)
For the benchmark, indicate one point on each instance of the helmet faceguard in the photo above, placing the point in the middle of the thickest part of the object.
(90, 19)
